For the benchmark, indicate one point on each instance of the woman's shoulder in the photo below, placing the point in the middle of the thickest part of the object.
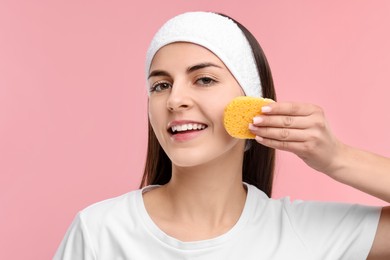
(318, 223)
(289, 206)
(122, 206)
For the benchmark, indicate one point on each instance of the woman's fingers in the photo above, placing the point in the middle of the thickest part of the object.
(298, 128)
(296, 122)
(282, 133)
(290, 108)
(291, 115)
(302, 142)
(289, 146)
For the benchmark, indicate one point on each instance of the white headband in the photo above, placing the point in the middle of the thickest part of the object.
(221, 36)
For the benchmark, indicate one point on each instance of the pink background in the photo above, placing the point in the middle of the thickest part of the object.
(73, 104)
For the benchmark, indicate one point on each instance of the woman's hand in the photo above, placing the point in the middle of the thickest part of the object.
(301, 129)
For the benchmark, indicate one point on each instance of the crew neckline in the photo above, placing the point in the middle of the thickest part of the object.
(159, 234)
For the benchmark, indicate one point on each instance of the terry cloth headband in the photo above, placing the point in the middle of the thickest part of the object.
(221, 36)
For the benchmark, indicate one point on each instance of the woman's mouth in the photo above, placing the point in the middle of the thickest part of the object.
(175, 129)
(186, 131)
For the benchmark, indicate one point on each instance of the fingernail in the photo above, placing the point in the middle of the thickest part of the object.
(265, 109)
(252, 127)
(257, 120)
(259, 138)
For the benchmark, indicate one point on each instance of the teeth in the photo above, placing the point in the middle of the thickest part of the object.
(185, 127)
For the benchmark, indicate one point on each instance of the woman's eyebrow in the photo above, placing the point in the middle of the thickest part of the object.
(201, 66)
(156, 73)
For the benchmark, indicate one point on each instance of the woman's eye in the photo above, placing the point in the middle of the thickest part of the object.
(160, 86)
(206, 81)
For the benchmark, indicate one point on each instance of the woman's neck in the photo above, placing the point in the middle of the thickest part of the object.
(205, 201)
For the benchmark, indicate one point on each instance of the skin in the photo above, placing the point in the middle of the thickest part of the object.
(303, 130)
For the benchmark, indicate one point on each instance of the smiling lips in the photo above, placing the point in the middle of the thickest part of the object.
(186, 127)
(183, 131)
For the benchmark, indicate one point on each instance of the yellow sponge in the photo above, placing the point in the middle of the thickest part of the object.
(240, 112)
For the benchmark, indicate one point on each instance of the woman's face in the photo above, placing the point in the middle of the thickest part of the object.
(190, 87)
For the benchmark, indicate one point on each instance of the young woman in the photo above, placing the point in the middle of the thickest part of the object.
(205, 194)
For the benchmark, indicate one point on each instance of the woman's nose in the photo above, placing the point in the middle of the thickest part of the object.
(179, 98)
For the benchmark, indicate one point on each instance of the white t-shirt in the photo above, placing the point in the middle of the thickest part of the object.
(120, 228)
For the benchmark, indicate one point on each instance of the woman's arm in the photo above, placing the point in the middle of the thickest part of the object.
(302, 129)
(363, 170)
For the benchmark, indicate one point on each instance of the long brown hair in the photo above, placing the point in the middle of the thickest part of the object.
(259, 160)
